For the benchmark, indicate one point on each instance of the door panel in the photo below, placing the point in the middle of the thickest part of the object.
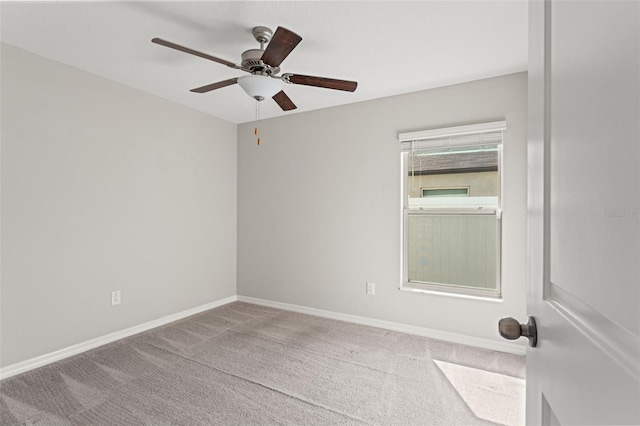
(584, 204)
(594, 133)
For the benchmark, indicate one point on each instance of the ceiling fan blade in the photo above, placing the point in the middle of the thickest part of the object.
(214, 86)
(283, 100)
(281, 44)
(194, 52)
(328, 83)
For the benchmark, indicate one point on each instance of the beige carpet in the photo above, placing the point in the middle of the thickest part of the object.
(243, 364)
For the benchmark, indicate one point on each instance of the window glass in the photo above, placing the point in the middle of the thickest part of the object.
(457, 250)
(452, 220)
(445, 192)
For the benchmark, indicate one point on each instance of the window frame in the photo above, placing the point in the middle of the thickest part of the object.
(443, 288)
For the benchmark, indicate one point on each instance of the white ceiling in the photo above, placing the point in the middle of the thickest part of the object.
(388, 47)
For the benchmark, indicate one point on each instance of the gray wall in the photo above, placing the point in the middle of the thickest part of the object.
(319, 206)
(106, 188)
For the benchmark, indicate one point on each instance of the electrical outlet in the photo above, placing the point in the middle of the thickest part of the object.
(115, 298)
(371, 288)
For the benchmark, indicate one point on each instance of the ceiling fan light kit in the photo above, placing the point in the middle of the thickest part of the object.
(259, 87)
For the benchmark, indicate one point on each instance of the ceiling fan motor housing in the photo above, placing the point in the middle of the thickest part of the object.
(252, 62)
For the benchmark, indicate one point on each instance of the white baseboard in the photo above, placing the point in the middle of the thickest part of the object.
(39, 361)
(495, 345)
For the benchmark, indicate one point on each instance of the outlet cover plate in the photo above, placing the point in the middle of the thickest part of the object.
(115, 298)
(371, 288)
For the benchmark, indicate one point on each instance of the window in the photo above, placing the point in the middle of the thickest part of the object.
(445, 192)
(451, 215)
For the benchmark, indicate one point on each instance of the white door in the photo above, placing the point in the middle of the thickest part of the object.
(584, 212)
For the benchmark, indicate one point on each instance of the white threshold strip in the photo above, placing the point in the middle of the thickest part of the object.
(42, 360)
(495, 345)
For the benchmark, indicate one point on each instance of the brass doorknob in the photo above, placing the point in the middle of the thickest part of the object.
(511, 329)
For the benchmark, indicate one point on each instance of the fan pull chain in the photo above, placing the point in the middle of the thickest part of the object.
(256, 130)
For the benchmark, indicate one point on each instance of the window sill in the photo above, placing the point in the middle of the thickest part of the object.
(481, 298)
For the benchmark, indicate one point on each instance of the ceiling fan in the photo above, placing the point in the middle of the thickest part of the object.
(263, 66)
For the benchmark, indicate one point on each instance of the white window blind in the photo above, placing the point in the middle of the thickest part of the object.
(454, 137)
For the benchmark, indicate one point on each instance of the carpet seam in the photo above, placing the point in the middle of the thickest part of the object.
(313, 404)
(320, 354)
(156, 369)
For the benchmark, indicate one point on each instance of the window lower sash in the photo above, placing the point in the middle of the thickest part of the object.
(447, 250)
